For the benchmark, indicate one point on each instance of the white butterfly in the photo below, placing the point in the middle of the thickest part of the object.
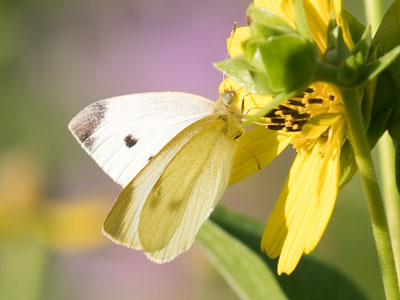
(172, 152)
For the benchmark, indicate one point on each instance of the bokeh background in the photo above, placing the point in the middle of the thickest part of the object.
(56, 57)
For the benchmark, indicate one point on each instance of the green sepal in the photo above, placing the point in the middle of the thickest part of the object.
(239, 70)
(301, 21)
(266, 23)
(276, 58)
(363, 45)
(284, 63)
(348, 166)
(356, 28)
(355, 71)
(373, 69)
(264, 31)
(353, 65)
(337, 50)
(351, 70)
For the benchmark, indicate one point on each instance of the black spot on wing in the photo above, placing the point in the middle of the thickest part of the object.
(85, 122)
(130, 141)
(151, 157)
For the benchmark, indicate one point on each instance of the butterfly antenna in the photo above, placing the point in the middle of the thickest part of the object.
(230, 43)
(244, 113)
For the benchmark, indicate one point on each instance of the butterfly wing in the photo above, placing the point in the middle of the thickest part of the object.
(123, 133)
(162, 209)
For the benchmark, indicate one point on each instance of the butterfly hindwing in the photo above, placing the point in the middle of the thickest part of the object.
(162, 209)
(122, 134)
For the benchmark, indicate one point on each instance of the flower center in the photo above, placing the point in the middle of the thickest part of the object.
(313, 116)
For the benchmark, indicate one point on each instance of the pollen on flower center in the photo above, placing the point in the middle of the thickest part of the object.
(311, 116)
(296, 111)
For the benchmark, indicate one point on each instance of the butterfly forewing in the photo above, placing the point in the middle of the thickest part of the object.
(124, 133)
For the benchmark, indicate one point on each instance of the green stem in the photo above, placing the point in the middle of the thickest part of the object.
(359, 142)
(373, 12)
(390, 193)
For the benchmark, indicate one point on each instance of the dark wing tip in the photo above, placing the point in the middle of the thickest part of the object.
(86, 121)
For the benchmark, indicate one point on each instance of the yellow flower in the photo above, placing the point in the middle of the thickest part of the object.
(313, 122)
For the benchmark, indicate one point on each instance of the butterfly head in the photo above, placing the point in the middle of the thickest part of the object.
(230, 93)
(229, 97)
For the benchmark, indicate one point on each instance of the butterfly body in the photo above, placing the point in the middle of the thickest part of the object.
(172, 153)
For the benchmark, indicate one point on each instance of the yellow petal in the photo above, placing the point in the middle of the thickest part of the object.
(283, 8)
(75, 226)
(256, 148)
(298, 212)
(276, 229)
(318, 124)
(304, 207)
(329, 185)
(234, 42)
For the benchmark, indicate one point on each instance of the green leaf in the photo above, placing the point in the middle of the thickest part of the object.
(313, 279)
(364, 44)
(243, 269)
(397, 162)
(380, 116)
(390, 93)
(301, 21)
(376, 67)
(388, 37)
(337, 50)
(237, 69)
(394, 124)
(385, 113)
(386, 94)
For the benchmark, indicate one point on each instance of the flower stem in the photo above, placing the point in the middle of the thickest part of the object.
(358, 139)
(391, 194)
